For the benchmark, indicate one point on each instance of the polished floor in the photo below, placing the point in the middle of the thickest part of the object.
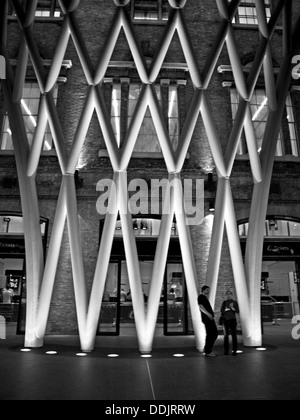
(273, 374)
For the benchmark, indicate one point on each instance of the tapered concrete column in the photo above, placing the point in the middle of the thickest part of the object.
(132, 260)
(237, 263)
(216, 241)
(79, 282)
(254, 248)
(51, 265)
(159, 266)
(31, 217)
(188, 264)
(101, 271)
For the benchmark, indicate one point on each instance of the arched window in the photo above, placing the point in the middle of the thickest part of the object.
(275, 227)
(145, 227)
(13, 225)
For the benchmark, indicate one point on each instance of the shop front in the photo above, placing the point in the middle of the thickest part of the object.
(280, 287)
(13, 269)
(12, 276)
(117, 315)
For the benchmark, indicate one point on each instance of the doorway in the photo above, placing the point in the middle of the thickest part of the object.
(12, 278)
(117, 315)
(280, 284)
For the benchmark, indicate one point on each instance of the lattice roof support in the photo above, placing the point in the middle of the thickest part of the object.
(27, 186)
(66, 208)
(224, 212)
(88, 313)
(253, 260)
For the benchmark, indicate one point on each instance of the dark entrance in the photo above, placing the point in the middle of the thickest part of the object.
(117, 316)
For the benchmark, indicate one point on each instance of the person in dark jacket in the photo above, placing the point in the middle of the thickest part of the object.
(229, 309)
(208, 320)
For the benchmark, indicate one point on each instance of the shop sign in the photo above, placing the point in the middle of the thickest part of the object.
(278, 249)
(12, 245)
(284, 250)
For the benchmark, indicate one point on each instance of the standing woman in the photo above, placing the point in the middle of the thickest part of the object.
(229, 309)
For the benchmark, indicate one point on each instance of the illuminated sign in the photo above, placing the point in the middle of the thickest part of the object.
(278, 249)
(12, 245)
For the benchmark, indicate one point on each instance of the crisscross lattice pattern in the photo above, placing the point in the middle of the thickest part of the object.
(247, 278)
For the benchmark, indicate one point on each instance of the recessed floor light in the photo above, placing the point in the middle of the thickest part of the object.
(178, 355)
(146, 356)
(51, 353)
(81, 354)
(261, 349)
(113, 356)
(25, 350)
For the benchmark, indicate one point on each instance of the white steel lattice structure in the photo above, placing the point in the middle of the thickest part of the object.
(41, 277)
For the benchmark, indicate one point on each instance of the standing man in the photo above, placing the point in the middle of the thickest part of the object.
(208, 315)
(229, 309)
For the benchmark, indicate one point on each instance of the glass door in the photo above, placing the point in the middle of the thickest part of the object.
(127, 323)
(175, 301)
(110, 309)
(117, 315)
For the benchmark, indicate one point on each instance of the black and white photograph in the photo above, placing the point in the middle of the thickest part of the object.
(149, 203)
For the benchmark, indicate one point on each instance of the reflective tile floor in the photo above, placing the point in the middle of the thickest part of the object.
(115, 371)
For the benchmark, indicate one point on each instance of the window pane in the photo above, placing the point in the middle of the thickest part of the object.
(165, 10)
(260, 112)
(291, 124)
(152, 10)
(173, 116)
(294, 228)
(30, 109)
(277, 228)
(48, 8)
(145, 227)
(146, 10)
(147, 140)
(243, 229)
(116, 112)
(6, 136)
(247, 14)
(109, 308)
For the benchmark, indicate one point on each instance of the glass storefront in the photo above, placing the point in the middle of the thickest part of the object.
(13, 269)
(280, 278)
(117, 315)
